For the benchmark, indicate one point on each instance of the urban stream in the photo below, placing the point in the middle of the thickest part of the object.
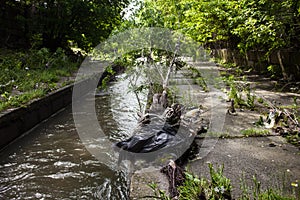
(51, 162)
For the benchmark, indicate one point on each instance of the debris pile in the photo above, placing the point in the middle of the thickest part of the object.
(284, 123)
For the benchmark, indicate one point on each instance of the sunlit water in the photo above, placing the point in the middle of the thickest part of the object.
(51, 162)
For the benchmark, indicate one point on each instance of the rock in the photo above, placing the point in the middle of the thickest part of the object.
(272, 145)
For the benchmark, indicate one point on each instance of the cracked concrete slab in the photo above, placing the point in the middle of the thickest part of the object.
(140, 180)
(272, 160)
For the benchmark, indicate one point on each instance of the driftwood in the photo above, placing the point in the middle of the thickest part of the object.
(159, 102)
(176, 177)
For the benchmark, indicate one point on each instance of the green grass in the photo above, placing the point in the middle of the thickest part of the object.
(253, 132)
(32, 74)
(22, 99)
(254, 191)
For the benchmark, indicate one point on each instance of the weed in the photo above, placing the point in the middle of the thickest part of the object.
(257, 193)
(255, 132)
(192, 188)
(219, 187)
(250, 98)
(241, 94)
(274, 70)
(293, 138)
(235, 94)
(292, 107)
(244, 188)
(201, 82)
(274, 195)
(260, 122)
(158, 194)
(195, 74)
(260, 100)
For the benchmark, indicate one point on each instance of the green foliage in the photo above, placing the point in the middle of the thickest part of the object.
(241, 94)
(149, 15)
(52, 24)
(255, 132)
(32, 74)
(274, 70)
(234, 92)
(259, 122)
(293, 138)
(159, 194)
(249, 98)
(257, 193)
(22, 99)
(198, 78)
(220, 185)
(260, 100)
(109, 74)
(244, 25)
(192, 188)
(112, 70)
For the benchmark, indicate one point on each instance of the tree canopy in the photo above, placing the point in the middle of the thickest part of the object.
(55, 23)
(238, 24)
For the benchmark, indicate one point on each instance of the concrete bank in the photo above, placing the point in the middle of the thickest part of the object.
(14, 123)
(273, 161)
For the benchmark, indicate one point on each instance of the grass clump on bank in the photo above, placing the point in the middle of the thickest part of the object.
(253, 132)
(218, 187)
(32, 74)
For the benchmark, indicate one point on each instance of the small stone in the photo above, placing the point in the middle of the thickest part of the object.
(272, 145)
(38, 195)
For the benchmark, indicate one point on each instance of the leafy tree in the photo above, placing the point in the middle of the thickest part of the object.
(265, 25)
(238, 24)
(52, 23)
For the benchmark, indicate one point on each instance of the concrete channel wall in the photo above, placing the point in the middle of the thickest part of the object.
(16, 122)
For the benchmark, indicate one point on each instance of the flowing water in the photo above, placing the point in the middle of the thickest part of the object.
(50, 161)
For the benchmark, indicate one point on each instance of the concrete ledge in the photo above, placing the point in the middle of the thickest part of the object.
(140, 180)
(14, 123)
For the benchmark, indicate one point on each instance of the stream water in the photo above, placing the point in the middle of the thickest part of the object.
(50, 161)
